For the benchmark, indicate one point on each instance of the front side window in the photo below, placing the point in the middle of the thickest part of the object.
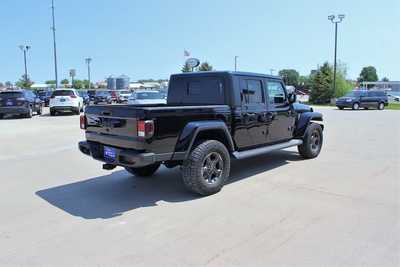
(276, 93)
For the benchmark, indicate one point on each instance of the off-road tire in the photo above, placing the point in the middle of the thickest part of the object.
(145, 171)
(309, 149)
(193, 168)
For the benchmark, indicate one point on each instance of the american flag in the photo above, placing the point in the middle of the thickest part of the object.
(186, 53)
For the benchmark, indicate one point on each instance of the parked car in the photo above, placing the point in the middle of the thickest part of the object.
(394, 96)
(20, 102)
(91, 94)
(209, 119)
(85, 97)
(44, 95)
(114, 96)
(357, 99)
(102, 97)
(146, 97)
(124, 96)
(65, 100)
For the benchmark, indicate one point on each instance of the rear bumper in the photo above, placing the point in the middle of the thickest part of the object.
(124, 157)
(14, 110)
(63, 108)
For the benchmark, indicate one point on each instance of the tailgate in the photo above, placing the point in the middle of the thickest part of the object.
(114, 120)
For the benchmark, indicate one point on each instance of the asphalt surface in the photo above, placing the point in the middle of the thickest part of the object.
(59, 208)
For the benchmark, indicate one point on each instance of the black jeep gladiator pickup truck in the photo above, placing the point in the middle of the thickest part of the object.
(209, 119)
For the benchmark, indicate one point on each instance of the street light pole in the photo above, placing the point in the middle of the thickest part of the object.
(54, 42)
(24, 49)
(336, 22)
(236, 57)
(88, 60)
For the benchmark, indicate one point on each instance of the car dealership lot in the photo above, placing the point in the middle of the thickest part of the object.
(58, 208)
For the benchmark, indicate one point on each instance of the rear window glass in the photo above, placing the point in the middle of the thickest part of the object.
(10, 94)
(148, 95)
(63, 93)
(197, 91)
(102, 93)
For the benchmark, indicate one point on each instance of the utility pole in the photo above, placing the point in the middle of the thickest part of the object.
(236, 57)
(88, 60)
(72, 73)
(24, 49)
(54, 42)
(335, 21)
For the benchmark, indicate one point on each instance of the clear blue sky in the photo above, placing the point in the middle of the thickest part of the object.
(146, 38)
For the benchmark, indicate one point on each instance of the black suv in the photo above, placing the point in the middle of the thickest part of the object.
(209, 119)
(44, 95)
(20, 102)
(363, 99)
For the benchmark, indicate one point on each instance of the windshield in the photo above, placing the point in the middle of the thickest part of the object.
(149, 95)
(82, 93)
(10, 94)
(63, 93)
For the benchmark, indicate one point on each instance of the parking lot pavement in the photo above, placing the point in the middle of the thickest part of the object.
(58, 208)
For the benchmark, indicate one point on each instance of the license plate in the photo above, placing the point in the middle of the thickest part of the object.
(9, 103)
(62, 100)
(109, 154)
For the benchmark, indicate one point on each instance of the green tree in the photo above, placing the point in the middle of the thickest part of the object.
(368, 74)
(24, 83)
(65, 82)
(205, 66)
(186, 68)
(78, 84)
(343, 86)
(8, 84)
(321, 88)
(385, 79)
(1, 85)
(290, 76)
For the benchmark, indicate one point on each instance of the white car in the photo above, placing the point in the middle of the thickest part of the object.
(65, 100)
(124, 96)
(147, 97)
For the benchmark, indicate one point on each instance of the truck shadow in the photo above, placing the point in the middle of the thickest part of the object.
(111, 195)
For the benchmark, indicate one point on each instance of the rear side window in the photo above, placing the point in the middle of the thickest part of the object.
(252, 91)
(276, 93)
(197, 91)
(63, 93)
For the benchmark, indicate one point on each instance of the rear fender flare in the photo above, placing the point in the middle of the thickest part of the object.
(192, 130)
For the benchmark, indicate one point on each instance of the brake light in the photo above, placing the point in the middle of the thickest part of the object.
(73, 96)
(52, 96)
(145, 128)
(83, 122)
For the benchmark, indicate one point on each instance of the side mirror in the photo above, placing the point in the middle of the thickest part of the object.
(292, 98)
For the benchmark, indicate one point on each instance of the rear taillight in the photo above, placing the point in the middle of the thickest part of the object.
(52, 96)
(73, 96)
(83, 122)
(145, 128)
